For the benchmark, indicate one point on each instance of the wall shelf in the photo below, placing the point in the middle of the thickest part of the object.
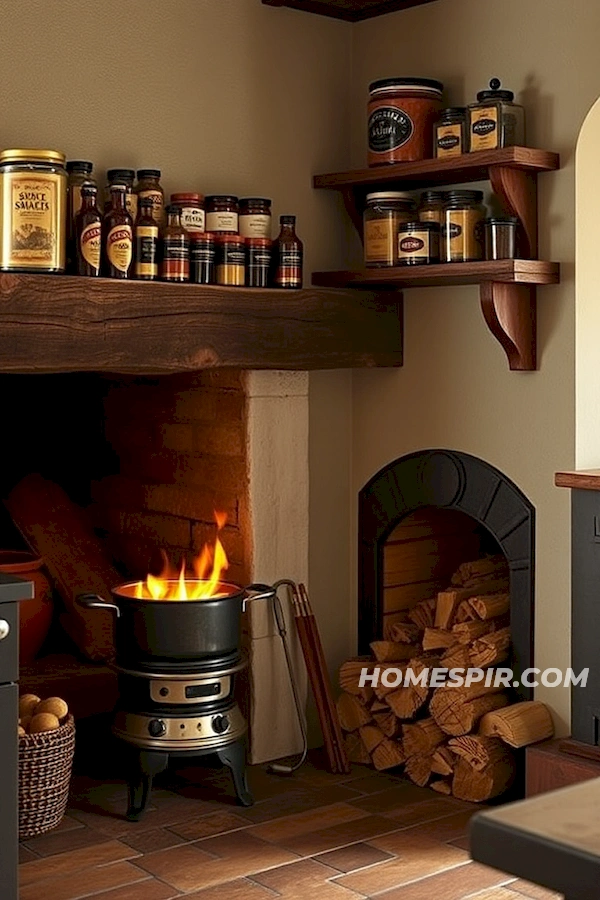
(507, 287)
(61, 323)
(348, 10)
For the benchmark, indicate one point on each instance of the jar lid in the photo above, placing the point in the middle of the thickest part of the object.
(79, 165)
(148, 173)
(391, 84)
(433, 196)
(225, 237)
(118, 174)
(202, 237)
(255, 201)
(221, 198)
(189, 197)
(258, 242)
(287, 220)
(418, 226)
(390, 195)
(501, 220)
(495, 93)
(453, 111)
(464, 197)
(49, 156)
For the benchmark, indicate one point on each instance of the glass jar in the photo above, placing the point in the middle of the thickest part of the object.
(175, 265)
(33, 205)
(401, 116)
(255, 217)
(462, 238)
(202, 258)
(192, 211)
(495, 121)
(79, 172)
(149, 186)
(258, 261)
(126, 177)
(384, 213)
(222, 213)
(500, 237)
(431, 206)
(450, 133)
(231, 259)
(418, 244)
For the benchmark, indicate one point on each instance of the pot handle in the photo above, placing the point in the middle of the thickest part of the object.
(257, 592)
(94, 601)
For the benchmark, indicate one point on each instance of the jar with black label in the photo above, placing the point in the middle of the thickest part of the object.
(149, 186)
(462, 228)
(255, 217)
(258, 261)
(495, 120)
(202, 258)
(175, 264)
(222, 213)
(384, 213)
(231, 259)
(418, 244)
(192, 211)
(449, 133)
(146, 237)
(401, 116)
(431, 206)
(126, 177)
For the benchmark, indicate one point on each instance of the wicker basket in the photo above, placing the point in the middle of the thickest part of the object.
(45, 762)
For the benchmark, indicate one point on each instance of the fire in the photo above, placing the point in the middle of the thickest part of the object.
(180, 584)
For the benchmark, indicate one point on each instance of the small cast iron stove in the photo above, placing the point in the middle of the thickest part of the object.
(179, 710)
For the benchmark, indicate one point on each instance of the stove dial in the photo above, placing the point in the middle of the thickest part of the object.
(157, 728)
(220, 724)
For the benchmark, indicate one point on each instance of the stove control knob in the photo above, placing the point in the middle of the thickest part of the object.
(156, 728)
(220, 724)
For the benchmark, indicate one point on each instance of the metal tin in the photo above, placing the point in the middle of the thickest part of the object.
(231, 259)
(33, 211)
(258, 261)
(202, 258)
(418, 244)
(500, 237)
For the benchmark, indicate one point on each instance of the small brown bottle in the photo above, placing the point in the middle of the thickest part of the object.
(88, 232)
(146, 235)
(288, 253)
(117, 236)
(176, 248)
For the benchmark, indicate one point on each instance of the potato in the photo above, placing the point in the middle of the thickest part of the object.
(24, 722)
(53, 705)
(43, 722)
(27, 703)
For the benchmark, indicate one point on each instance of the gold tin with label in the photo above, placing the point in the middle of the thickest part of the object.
(33, 211)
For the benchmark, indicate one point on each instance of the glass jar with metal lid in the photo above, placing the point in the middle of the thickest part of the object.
(402, 112)
(126, 177)
(192, 211)
(33, 205)
(255, 217)
(495, 120)
(431, 206)
(222, 213)
(384, 213)
(450, 133)
(418, 244)
(462, 227)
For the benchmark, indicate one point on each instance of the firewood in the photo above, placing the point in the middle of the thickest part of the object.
(458, 709)
(467, 632)
(387, 721)
(441, 786)
(479, 751)
(469, 784)
(405, 701)
(367, 695)
(480, 567)
(389, 651)
(371, 736)
(485, 587)
(387, 755)
(423, 613)
(422, 737)
(437, 639)
(464, 613)
(378, 706)
(456, 657)
(349, 674)
(418, 768)
(405, 633)
(352, 713)
(445, 609)
(488, 606)
(381, 690)
(356, 750)
(392, 619)
(490, 649)
(520, 724)
(443, 761)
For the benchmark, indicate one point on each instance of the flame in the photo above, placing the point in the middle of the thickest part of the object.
(173, 584)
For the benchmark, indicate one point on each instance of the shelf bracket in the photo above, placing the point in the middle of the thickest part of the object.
(510, 313)
(517, 190)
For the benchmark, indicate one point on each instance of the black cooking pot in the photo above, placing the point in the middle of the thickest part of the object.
(149, 631)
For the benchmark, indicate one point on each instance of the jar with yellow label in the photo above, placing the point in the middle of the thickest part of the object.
(495, 120)
(431, 206)
(33, 203)
(449, 133)
(462, 227)
(384, 213)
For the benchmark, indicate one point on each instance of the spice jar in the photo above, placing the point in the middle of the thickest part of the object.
(222, 213)
(192, 211)
(418, 243)
(495, 121)
(402, 112)
(450, 133)
(384, 213)
(255, 217)
(149, 186)
(33, 205)
(500, 237)
(462, 239)
(258, 261)
(175, 265)
(202, 258)
(431, 206)
(231, 259)
(125, 177)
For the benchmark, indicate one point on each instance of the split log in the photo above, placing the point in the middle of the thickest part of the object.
(390, 651)
(467, 632)
(479, 751)
(352, 713)
(418, 768)
(464, 613)
(520, 724)
(457, 657)
(443, 761)
(422, 737)
(381, 690)
(490, 649)
(378, 706)
(349, 674)
(478, 568)
(469, 784)
(371, 736)
(356, 750)
(405, 701)
(458, 709)
(458, 594)
(367, 695)
(445, 609)
(489, 606)
(387, 721)
(437, 639)
(423, 614)
(387, 755)
(441, 786)
(405, 633)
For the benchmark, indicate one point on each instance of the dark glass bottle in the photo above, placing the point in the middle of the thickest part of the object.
(79, 172)
(146, 240)
(175, 264)
(88, 232)
(117, 236)
(288, 254)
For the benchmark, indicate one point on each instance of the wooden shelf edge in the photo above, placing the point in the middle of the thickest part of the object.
(509, 271)
(584, 479)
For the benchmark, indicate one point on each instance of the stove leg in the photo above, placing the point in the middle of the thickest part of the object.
(148, 764)
(234, 756)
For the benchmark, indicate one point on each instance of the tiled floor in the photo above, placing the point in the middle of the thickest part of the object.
(313, 835)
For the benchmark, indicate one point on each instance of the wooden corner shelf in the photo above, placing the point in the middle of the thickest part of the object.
(61, 323)
(584, 479)
(348, 10)
(505, 271)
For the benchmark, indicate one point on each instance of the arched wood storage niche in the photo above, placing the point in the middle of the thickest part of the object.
(424, 514)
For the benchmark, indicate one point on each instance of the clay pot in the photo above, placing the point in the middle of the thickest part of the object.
(35, 616)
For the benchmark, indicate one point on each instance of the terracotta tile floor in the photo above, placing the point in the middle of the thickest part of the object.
(315, 835)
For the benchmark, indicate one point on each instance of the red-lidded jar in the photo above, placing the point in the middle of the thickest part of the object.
(222, 213)
(402, 112)
(230, 259)
(192, 211)
(202, 258)
(258, 261)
